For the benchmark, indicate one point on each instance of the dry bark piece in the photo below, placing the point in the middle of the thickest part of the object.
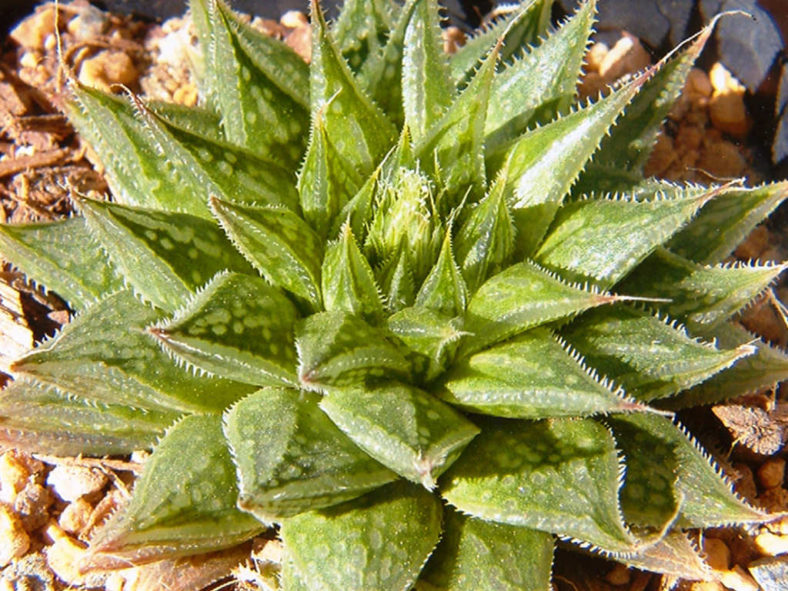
(751, 427)
(15, 334)
(20, 163)
(114, 499)
(180, 574)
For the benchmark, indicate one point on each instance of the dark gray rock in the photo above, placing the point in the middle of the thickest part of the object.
(653, 21)
(771, 573)
(747, 46)
(163, 9)
(458, 11)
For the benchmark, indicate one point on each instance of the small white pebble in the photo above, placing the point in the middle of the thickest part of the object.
(64, 557)
(595, 56)
(626, 56)
(13, 477)
(72, 482)
(14, 540)
(76, 516)
(294, 19)
(771, 544)
(737, 579)
(29, 59)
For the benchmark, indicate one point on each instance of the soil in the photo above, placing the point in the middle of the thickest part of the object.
(49, 506)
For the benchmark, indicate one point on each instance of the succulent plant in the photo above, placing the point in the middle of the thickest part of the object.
(422, 313)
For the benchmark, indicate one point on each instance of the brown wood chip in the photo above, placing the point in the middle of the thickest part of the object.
(751, 427)
(11, 166)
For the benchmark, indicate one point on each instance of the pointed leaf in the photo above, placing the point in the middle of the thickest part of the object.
(726, 220)
(765, 369)
(544, 162)
(379, 541)
(218, 168)
(339, 349)
(164, 256)
(397, 281)
(403, 427)
(292, 458)
(700, 296)
(258, 83)
(530, 377)
(559, 476)
(522, 27)
(477, 554)
(184, 502)
(444, 288)
(647, 497)
(64, 257)
(275, 59)
(521, 297)
(431, 337)
(540, 84)
(142, 150)
(427, 91)
(675, 555)
(133, 167)
(381, 74)
(348, 281)
(237, 327)
(196, 120)
(43, 419)
(358, 210)
(405, 217)
(361, 30)
(486, 239)
(104, 355)
(706, 497)
(325, 183)
(289, 579)
(601, 240)
(453, 146)
(360, 131)
(631, 140)
(649, 357)
(279, 244)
